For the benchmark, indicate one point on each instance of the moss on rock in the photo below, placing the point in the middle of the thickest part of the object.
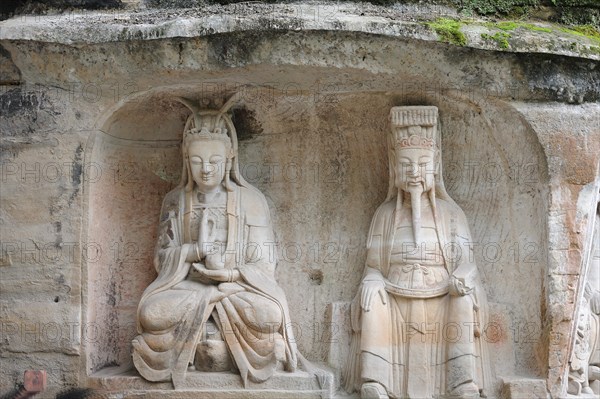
(448, 30)
(501, 39)
(584, 30)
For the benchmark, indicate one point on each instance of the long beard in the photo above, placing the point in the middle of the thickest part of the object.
(415, 203)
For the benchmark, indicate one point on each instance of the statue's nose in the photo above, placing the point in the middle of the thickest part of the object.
(206, 167)
(413, 170)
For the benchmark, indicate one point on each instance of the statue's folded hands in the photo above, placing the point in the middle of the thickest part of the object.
(221, 275)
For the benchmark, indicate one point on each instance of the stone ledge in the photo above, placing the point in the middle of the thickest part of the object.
(222, 385)
(135, 25)
(520, 387)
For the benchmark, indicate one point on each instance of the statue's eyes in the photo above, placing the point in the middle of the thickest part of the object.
(215, 160)
(196, 160)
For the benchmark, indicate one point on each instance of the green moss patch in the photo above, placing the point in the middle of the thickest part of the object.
(512, 25)
(584, 30)
(448, 30)
(501, 39)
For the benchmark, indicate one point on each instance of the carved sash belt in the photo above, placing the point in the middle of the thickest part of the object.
(414, 277)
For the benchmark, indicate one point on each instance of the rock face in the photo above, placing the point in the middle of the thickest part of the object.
(91, 132)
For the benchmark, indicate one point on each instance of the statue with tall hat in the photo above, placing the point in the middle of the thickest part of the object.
(215, 304)
(420, 308)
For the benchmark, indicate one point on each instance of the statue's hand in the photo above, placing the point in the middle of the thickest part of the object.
(215, 262)
(220, 275)
(191, 252)
(371, 289)
(458, 287)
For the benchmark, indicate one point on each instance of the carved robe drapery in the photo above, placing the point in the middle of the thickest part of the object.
(164, 349)
(421, 340)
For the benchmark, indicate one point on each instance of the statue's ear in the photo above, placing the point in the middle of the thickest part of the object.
(437, 160)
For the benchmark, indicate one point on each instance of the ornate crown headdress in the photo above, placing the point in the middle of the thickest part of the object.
(414, 127)
(209, 124)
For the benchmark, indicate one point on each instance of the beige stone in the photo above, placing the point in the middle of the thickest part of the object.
(215, 270)
(517, 388)
(420, 310)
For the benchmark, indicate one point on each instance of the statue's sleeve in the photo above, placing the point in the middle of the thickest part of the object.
(259, 248)
(466, 269)
(258, 268)
(168, 260)
(169, 239)
(375, 244)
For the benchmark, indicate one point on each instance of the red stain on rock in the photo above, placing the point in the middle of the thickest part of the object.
(496, 329)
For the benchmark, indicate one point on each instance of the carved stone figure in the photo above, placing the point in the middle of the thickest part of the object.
(215, 305)
(584, 370)
(420, 308)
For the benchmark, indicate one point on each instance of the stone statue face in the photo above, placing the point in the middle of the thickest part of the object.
(207, 163)
(415, 167)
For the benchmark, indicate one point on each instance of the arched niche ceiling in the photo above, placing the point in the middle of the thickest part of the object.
(157, 117)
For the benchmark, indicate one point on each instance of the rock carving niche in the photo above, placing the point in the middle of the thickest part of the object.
(137, 159)
(414, 284)
(336, 158)
(215, 305)
(145, 173)
(584, 365)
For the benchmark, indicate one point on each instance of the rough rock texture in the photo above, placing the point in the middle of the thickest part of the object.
(573, 190)
(564, 11)
(90, 145)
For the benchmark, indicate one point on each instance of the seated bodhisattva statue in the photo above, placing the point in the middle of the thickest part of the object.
(420, 309)
(215, 304)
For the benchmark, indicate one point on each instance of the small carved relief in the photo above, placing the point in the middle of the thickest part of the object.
(584, 366)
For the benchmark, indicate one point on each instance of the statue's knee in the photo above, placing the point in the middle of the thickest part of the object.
(274, 313)
(261, 313)
(155, 315)
(266, 316)
(147, 318)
